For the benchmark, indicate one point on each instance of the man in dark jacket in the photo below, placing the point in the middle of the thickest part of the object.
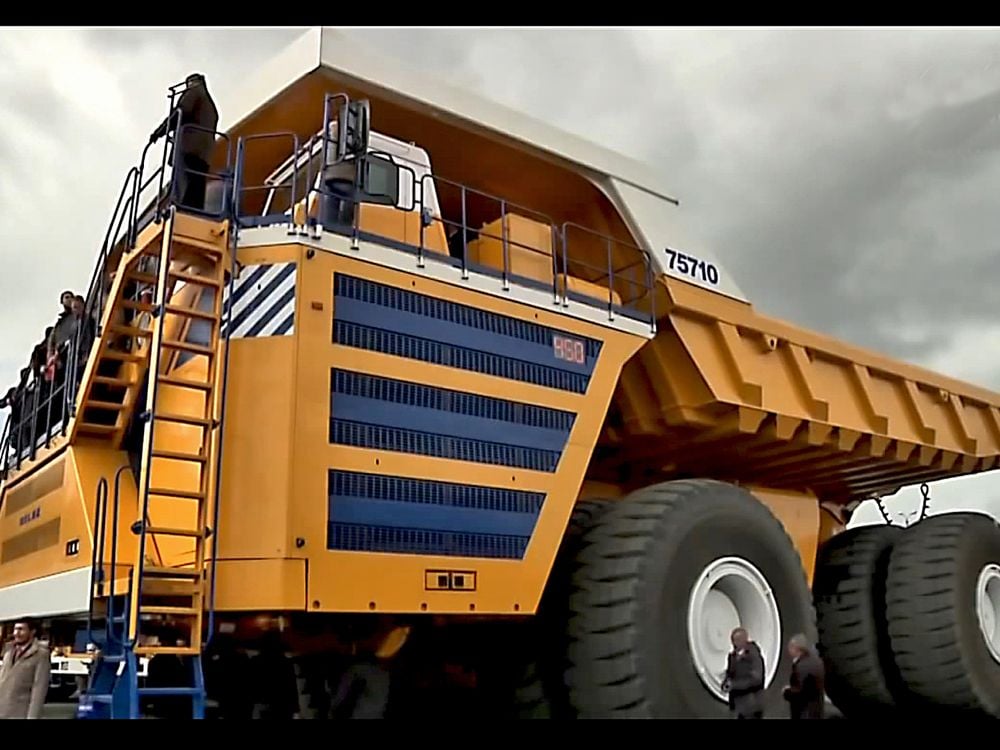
(805, 692)
(194, 144)
(277, 690)
(744, 677)
(229, 679)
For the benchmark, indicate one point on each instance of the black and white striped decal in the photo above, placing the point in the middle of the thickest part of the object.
(263, 302)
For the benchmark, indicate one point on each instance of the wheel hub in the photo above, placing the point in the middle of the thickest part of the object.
(731, 592)
(988, 608)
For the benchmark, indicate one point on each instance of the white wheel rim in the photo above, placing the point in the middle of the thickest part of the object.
(988, 608)
(731, 593)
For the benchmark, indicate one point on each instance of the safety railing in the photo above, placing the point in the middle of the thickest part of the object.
(489, 205)
(5, 444)
(570, 253)
(105, 539)
(265, 217)
(37, 416)
(627, 274)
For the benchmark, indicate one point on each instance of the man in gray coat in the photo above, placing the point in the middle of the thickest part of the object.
(24, 675)
(806, 694)
(744, 677)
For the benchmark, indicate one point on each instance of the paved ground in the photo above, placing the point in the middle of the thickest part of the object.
(59, 711)
(68, 711)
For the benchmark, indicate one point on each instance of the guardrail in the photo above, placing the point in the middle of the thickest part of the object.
(625, 271)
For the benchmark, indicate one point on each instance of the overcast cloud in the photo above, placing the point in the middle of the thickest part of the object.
(847, 179)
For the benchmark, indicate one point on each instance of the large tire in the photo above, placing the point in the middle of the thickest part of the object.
(849, 590)
(630, 654)
(541, 692)
(934, 628)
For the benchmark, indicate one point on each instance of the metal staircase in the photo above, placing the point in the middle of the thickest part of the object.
(158, 363)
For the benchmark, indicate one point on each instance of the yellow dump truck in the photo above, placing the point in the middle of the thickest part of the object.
(423, 384)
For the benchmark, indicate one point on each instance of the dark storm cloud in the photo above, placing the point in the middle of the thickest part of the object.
(843, 177)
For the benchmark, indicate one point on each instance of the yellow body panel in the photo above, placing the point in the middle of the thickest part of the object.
(52, 506)
(800, 515)
(260, 585)
(354, 581)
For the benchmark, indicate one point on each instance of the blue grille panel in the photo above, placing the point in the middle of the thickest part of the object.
(424, 444)
(414, 542)
(403, 323)
(459, 357)
(385, 414)
(375, 513)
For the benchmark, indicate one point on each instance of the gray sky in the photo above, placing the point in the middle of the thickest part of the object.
(846, 178)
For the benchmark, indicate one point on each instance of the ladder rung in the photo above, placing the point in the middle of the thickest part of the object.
(103, 429)
(119, 382)
(193, 279)
(167, 531)
(186, 347)
(176, 456)
(103, 405)
(140, 306)
(168, 610)
(202, 246)
(183, 383)
(189, 312)
(173, 650)
(183, 419)
(122, 356)
(185, 494)
(131, 331)
(157, 572)
(145, 278)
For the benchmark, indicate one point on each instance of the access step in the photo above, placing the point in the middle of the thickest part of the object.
(171, 650)
(183, 494)
(158, 572)
(183, 419)
(177, 456)
(167, 531)
(184, 383)
(177, 611)
(116, 382)
(189, 278)
(184, 346)
(189, 312)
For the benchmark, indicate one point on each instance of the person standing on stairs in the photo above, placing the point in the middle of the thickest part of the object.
(194, 144)
(24, 675)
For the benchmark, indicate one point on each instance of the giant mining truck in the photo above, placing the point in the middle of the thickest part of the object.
(426, 383)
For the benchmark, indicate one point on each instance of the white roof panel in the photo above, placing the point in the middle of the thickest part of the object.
(332, 49)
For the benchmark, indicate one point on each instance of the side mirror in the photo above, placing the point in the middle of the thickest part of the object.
(353, 138)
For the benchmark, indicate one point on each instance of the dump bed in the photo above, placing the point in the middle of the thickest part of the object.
(723, 391)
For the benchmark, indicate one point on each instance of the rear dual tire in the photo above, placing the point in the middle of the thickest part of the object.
(849, 587)
(910, 619)
(943, 607)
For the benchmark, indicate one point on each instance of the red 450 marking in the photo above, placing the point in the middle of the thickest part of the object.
(569, 349)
